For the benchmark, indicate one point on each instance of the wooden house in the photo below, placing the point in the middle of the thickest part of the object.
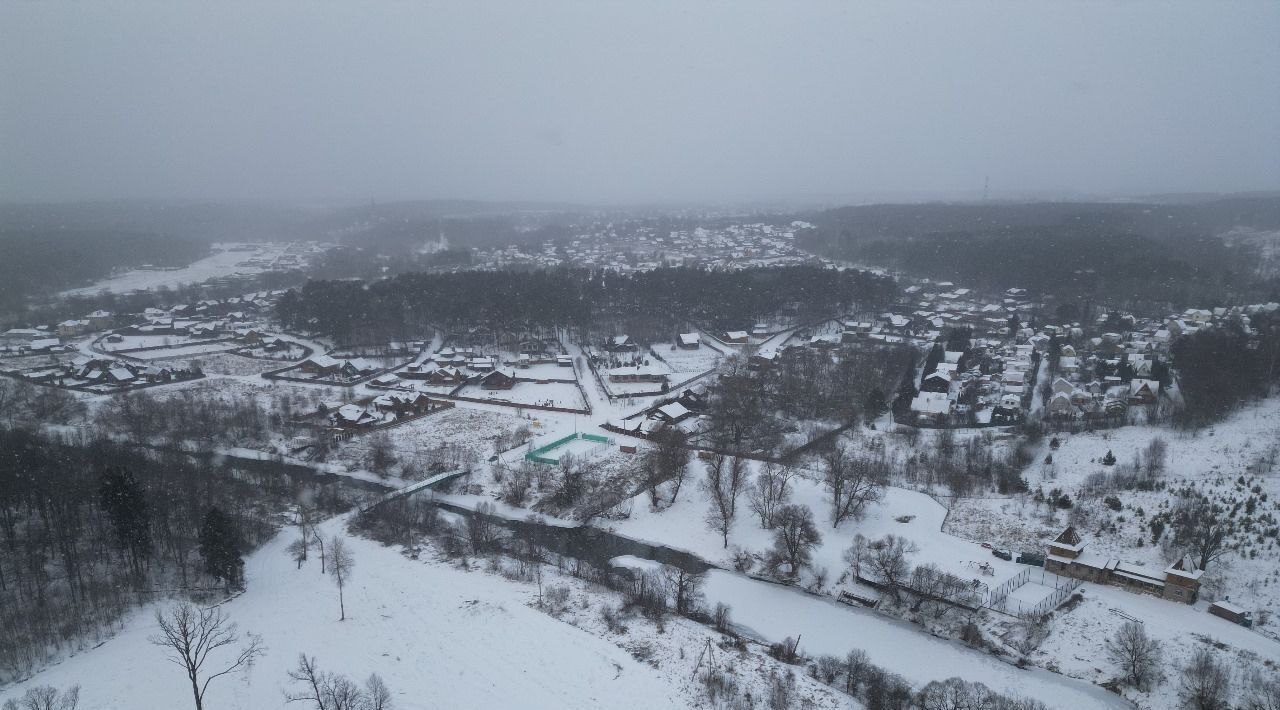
(498, 380)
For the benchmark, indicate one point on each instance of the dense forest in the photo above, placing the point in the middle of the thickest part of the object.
(1220, 369)
(1128, 255)
(411, 304)
(90, 530)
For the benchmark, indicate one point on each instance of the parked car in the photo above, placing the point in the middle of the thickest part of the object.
(1031, 558)
(1003, 554)
(986, 545)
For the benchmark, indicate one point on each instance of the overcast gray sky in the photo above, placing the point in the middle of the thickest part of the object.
(636, 101)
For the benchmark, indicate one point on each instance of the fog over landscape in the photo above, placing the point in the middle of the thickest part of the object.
(636, 102)
(578, 355)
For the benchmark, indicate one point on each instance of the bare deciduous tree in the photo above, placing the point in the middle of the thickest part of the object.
(794, 537)
(1135, 653)
(889, 561)
(852, 482)
(725, 480)
(667, 461)
(46, 697)
(1201, 527)
(685, 589)
(341, 564)
(331, 691)
(193, 636)
(857, 554)
(1264, 693)
(771, 491)
(1206, 682)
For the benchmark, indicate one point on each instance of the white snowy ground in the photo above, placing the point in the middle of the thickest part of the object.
(553, 394)
(1212, 459)
(220, 263)
(682, 526)
(826, 627)
(439, 637)
(1076, 642)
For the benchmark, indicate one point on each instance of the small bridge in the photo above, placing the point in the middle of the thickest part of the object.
(414, 488)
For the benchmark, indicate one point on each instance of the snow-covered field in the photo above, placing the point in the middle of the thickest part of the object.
(1213, 460)
(1076, 641)
(682, 526)
(826, 627)
(223, 262)
(554, 394)
(438, 636)
(689, 361)
(191, 350)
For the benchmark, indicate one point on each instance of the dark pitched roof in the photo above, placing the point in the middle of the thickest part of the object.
(1068, 537)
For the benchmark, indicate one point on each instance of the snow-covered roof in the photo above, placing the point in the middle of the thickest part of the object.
(931, 403)
(674, 410)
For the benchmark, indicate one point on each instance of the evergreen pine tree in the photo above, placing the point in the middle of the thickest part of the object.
(221, 546)
(125, 504)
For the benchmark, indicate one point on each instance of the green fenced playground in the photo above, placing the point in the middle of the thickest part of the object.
(594, 444)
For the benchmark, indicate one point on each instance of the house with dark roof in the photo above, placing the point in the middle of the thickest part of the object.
(1068, 557)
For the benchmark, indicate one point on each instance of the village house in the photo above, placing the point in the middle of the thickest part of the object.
(737, 337)
(671, 413)
(936, 382)
(100, 320)
(1143, 391)
(1067, 556)
(319, 365)
(931, 405)
(350, 416)
(621, 343)
(688, 341)
(405, 404)
(450, 376)
(498, 380)
(637, 373)
(73, 328)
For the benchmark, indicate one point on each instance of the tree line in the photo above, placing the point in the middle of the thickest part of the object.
(410, 304)
(1220, 369)
(91, 529)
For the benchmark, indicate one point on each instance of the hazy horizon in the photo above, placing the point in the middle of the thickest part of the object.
(612, 103)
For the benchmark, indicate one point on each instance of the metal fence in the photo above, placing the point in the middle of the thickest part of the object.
(1063, 587)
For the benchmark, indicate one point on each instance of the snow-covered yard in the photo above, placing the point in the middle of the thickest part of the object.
(554, 394)
(1076, 642)
(1214, 461)
(438, 636)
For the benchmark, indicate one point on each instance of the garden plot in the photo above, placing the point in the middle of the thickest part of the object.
(192, 349)
(556, 394)
(688, 361)
(152, 340)
(226, 364)
(546, 371)
(456, 437)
